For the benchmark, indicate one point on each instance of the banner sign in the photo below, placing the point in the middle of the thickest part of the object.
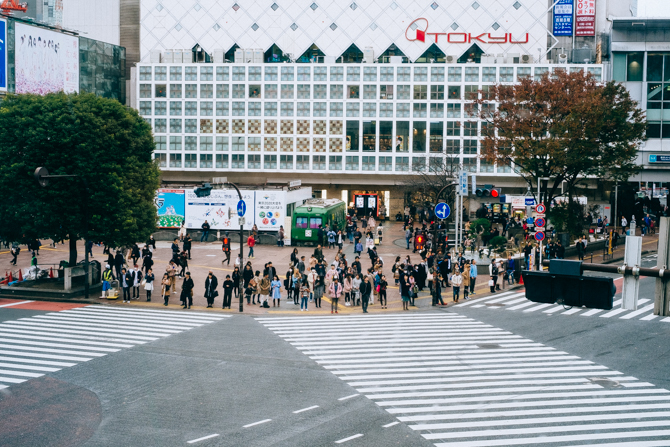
(46, 61)
(170, 205)
(463, 183)
(270, 209)
(216, 208)
(653, 158)
(3, 55)
(563, 18)
(585, 18)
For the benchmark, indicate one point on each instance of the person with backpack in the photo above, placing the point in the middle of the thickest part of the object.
(15, 253)
(381, 288)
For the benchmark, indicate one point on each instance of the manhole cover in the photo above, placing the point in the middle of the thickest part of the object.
(489, 346)
(605, 383)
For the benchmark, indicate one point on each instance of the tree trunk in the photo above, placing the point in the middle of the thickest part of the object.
(73, 250)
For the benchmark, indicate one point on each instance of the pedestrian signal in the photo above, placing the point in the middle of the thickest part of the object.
(226, 245)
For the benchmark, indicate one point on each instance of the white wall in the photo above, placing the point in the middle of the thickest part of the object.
(94, 19)
(653, 8)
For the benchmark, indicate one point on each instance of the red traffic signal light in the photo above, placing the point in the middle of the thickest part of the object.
(419, 239)
(495, 192)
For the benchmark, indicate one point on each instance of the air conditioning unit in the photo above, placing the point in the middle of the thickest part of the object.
(239, 56)
(395, 59)
(168, 57)
(512, 58)
(329, 59)
(562, 58)
(488, 59)
(218, 56)
(155, 56)
(258, 56)
(450, 59)
(526, 59)
(368, 55)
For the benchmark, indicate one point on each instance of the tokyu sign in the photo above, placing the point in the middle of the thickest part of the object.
(418, 31)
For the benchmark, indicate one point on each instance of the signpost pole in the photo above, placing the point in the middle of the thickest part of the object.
(240, 285)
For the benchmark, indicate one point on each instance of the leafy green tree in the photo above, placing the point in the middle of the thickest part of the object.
(98, 139)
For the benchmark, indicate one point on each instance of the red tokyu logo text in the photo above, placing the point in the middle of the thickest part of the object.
(459, 37)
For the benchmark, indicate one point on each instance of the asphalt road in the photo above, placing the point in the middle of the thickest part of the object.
(289, 381)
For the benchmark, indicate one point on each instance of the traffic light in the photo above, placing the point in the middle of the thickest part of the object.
(489, 191)
(419, 241)
(226, 244)
(204, 190)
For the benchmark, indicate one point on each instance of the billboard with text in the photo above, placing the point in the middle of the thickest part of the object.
(45, 61)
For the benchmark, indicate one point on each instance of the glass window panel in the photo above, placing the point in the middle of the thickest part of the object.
(303, 91)
(270, 73)
(175, 91)
(402, 164)
(436, 136)
(634, 67)
(175, 126)
(369, 136)
(336, 92)
(352, 135)
(454, 74)
(320, 91)
(437, 110)
(175, 73)
(222, 73)
(191, 91)
(222, 161)
(270, 109)
(385, 92)
(402, 136)
(221, 144)
(419, 136)
(270, 91)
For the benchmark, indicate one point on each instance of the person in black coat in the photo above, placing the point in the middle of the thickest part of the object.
(187, 245)
(211, 283)
(228, 287)
(127, 280)
(269, 270)
(147, 262)
(135, 253)
(366, 289)
(175, 250)
(187, 291)
(118, 263)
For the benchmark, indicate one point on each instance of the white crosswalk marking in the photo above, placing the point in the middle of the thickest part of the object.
(31, 347)
(485, 387)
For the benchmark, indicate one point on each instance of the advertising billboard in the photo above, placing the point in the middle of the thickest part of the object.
(585, 18)
(216, 208)
(270, 209)
(46, 61)
(3, 55)
(170, 205)
(563, 18)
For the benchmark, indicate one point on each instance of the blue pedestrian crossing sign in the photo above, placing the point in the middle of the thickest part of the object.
(241, 208)
(442, 210)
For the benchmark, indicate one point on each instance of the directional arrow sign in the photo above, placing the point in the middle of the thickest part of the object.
(442, 210)
(241, 208)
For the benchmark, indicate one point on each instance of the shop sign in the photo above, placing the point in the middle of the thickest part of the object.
(653, 158)
(486, 38)
(563, 18)
(585, 18)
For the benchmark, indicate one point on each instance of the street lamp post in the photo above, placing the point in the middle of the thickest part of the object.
(240, 285)
(42, 176)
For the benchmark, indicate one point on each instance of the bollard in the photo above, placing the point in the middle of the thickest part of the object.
(662, 300)
(631, 283)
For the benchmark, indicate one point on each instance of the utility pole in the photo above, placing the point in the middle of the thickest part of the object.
(662, 301)
(241, 291)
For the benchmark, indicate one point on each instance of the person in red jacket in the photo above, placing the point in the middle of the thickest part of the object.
(250, 243)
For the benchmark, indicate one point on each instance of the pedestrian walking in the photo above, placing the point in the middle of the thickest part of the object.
(211, 283)
(265, 287)
(228, 286)
(493, 275)
(15, 253)
(147, 262)
(437, 291)
(236, 277)
(149, 283)
(356, 290)
(118, 264)
(280, 236)
(319, 290)
(182, 230)
(171, 270)
(404, 289)
(297, 283)
(187, 291)
(251, 242)
(466, 280)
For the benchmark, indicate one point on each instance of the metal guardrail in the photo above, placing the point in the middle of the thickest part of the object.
(623, 270)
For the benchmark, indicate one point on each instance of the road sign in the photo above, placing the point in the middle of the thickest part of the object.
(474, 183)
(442, 210)
(241, 208)
(530, 220)
(463, 183)
(539, 236)
(540, 208)
(539, 222)
(529, 201)
(242, 221)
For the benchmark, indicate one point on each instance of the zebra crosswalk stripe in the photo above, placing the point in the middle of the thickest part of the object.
(498, 389)
(41, 344)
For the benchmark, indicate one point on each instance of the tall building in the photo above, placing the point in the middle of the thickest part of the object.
(347, 95)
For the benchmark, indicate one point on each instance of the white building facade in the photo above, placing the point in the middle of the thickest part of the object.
(343, 95)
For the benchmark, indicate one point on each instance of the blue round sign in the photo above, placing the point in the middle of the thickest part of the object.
(539, 236)
(539, 222)
(530, 220)
(442, 210)
(241, 208)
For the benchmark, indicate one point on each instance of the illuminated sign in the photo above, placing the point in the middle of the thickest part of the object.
(3, 55)
(459, 37)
